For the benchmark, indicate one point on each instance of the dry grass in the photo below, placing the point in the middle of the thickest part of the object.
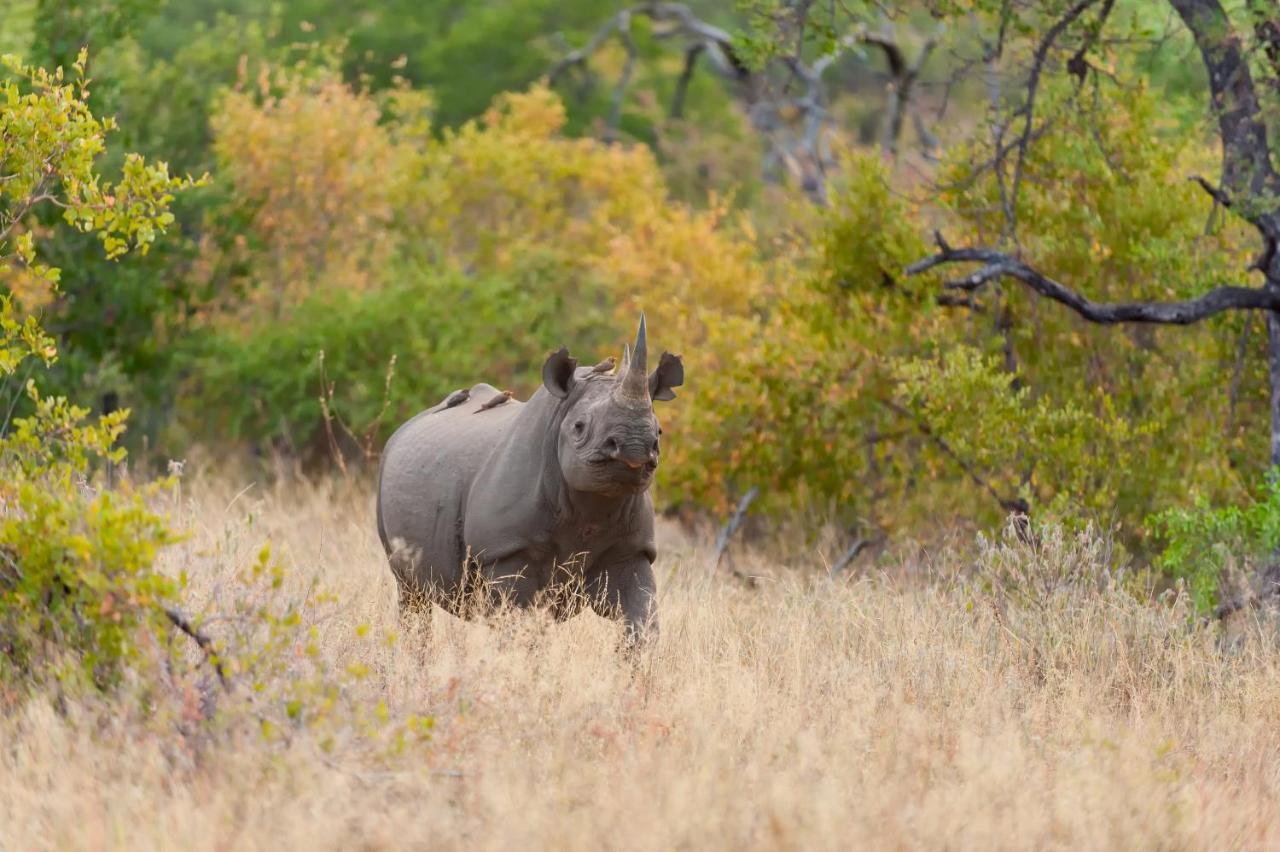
(801, 714)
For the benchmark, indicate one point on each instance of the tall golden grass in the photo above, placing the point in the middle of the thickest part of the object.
(917, 711)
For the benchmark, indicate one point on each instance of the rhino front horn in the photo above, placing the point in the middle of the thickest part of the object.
(634, 383)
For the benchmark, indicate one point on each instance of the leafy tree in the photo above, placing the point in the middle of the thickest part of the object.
(1072, 168)
(76, 571)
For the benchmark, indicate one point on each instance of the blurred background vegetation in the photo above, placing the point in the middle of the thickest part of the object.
(432, 182)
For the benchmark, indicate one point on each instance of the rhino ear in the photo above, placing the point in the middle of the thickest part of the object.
(557, 372)
(670, 374)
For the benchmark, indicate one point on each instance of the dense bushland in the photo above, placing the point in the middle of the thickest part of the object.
(379, 229)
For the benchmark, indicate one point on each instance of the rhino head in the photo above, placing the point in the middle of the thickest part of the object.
(608, 436)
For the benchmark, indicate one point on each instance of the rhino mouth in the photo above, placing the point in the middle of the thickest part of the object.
(620, 472)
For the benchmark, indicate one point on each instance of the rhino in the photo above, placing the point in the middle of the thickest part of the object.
(544, 502)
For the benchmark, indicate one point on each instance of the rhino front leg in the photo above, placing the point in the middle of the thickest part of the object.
(628, 591)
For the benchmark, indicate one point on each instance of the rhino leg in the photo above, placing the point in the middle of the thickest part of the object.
(514, 580)
(627, 591)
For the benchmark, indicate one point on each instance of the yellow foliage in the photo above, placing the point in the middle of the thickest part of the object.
(307, 159)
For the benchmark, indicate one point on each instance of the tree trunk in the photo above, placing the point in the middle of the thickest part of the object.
(1273, 368)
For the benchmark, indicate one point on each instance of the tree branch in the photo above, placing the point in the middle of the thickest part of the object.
(1247, 170)
(180, 621)
(686, 75)
(1000, 265)
(1009, 504)
(904, 76)
(1215, 193)
(1077, 65)
(1029, 108)
(620, 88)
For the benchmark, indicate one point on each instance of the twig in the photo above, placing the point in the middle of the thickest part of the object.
(1033, 86)
(183, 623)
(1218, 195)
(326, 395)
(371, 432)
(1015, 505)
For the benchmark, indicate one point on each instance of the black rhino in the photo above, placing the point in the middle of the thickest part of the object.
(544, 501)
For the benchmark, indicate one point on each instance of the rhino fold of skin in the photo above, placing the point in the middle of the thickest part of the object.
(544, 502)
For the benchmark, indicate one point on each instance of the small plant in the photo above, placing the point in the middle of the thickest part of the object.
(1202, 542)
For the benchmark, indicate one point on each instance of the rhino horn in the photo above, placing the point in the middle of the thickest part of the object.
(633, 381)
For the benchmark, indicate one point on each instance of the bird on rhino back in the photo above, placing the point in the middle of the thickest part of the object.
(543, 501)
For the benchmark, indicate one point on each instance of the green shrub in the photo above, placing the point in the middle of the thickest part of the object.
(76, 573)
(444, 329)
(1202, 542)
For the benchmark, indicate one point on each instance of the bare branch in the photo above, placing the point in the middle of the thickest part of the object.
(620, 88)
(904, 76)
(686, 75)
(1214, 192)
(1000, 265)
(1029, 108)
(854, 551)
(183, 623)
(579, 57)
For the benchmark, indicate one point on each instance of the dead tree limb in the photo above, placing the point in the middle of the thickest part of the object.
(854, 551)
(997, 265)
(735, 521)
(803, 150)
(903, 76)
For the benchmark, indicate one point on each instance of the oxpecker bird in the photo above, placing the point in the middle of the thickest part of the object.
(458, 397)
(495, 402)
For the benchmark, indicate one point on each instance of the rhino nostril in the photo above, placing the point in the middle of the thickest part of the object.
(611, 446)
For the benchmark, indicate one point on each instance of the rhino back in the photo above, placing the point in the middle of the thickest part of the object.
(427, 469)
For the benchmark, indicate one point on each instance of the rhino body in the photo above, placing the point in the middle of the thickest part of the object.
(542, 502)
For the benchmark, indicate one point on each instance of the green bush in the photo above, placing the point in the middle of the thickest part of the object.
(1202, 542)
(444, 329)
(76, 574)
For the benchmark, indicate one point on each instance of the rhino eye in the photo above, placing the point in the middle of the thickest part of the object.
(579, 426)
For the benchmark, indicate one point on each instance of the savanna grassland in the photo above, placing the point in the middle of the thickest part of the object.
(921, 707)
(978, 300)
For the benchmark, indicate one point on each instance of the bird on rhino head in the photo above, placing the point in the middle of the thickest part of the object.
(542, 501)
